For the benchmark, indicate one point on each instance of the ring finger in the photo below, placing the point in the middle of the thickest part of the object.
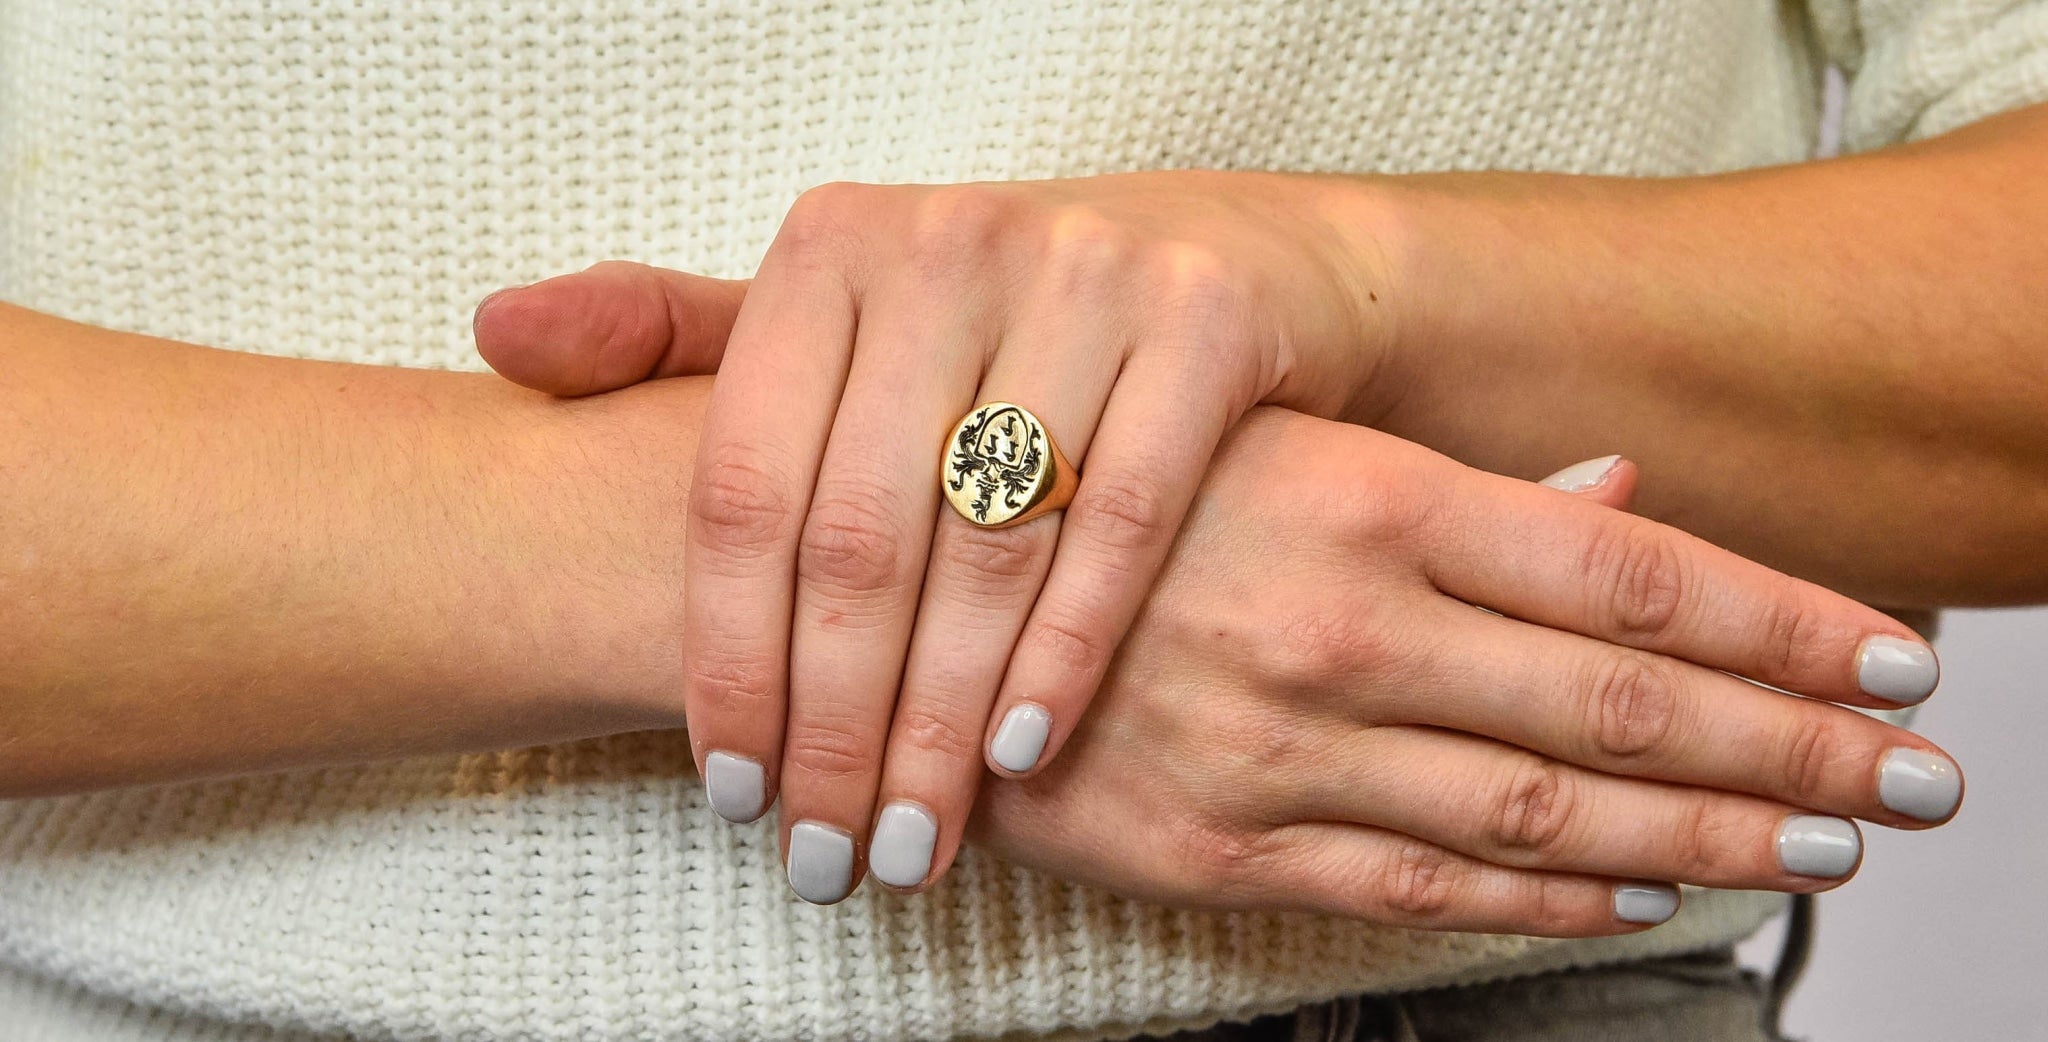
(978, 590)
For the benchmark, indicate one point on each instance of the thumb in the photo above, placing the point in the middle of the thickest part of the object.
(1609, 480)
(614, 324)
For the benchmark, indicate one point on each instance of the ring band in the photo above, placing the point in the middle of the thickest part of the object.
(1000, 468)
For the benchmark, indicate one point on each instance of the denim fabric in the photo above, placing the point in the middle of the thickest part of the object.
(1702, 997)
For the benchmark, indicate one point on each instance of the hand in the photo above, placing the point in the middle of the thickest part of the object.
(1137, 315)
(1310, 714)
(1316, 610)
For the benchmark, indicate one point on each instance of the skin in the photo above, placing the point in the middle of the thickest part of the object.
(216, 562)
(821, 576)
(195, 587)
(1835, 368)
(1371, 717)
(1861, 411)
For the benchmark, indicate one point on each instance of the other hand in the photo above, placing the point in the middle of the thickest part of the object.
(1312, 713)
(1319, 550)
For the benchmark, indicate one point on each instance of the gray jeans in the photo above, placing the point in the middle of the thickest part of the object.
(1703, 997)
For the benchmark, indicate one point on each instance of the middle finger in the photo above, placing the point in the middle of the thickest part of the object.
(979, 589)
(860, 562)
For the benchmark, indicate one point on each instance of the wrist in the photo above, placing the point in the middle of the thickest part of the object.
(609, 480)
(1376, 223)
(1487, 277)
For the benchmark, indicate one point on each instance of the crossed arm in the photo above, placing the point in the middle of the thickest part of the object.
(220, 562)
(216, 562)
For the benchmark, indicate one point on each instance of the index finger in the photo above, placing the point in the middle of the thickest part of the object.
(1545, 557)
(757, 467)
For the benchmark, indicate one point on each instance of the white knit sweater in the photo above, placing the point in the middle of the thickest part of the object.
(344, 180)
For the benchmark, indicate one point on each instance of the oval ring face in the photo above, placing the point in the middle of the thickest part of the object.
(999, 464)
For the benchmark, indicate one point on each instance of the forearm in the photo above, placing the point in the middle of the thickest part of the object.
(1839, 368)
(214, 562)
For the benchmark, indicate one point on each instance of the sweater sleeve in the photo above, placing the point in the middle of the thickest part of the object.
(1917, 68)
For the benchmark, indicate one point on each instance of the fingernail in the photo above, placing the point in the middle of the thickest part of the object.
(736, 786)
(1825, 848)
(489, 298)
(1581, 476)
(1021, 738)
(901, 852)
(1919, 784)
(820, 862)
(1651, 903)
(1899, 671)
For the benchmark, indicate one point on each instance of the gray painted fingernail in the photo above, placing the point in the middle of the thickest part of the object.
(736, 786)
(1919, 784)
(901, 852)
(1581, 476)
(1899, 671)
(820, 862)
(1021, 737)
(1825, 848)
(1651, 903)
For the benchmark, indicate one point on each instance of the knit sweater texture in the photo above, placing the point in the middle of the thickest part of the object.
(344, 180)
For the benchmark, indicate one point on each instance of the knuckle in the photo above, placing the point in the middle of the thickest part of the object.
(633, 321)
(1084, 252)
(1379, 514)
(1700, 844)
(1203, 301)
(740, 504)
(1812, 752)
(831, 197)
(1535, 811)
(1313, 644)
(1220, 858)
(956, 228)
(823, 220)
(1793, 632)
(852, 544)
(1074, 649)
(1280, 739)
(1552, 912)
(1196, 279)
(831, 750)
(733, 686)
(939, 729)
(1642, 574)
(1634, 706)
(991, 560)
(1120, 512)
(1417, 882)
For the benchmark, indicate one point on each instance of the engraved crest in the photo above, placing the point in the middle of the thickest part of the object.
(998, 466)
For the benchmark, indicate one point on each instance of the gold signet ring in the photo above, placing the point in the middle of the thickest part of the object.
(1000, 468)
